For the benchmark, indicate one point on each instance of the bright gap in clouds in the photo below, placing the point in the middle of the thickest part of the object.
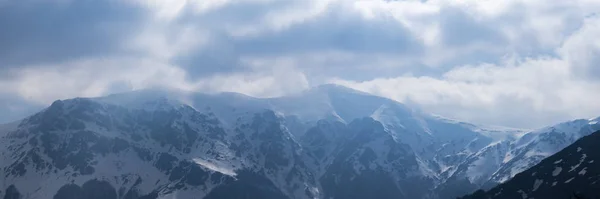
(513, 63)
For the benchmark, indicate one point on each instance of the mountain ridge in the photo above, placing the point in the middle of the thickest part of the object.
(290, 143)
(572, 171)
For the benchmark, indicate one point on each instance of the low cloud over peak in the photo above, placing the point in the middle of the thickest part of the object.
(514, 63)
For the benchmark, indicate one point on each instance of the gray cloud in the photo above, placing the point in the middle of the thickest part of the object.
(461, 29)
(14, 108)
(36, 32)
(449, 57)
(336, 30)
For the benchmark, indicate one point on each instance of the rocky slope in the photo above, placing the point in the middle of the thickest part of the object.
(574, 171)
(500, 161)
(162, 150)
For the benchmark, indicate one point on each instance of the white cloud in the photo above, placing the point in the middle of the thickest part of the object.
(165, 41)
(527, 92)
(93, 77)
(98, 77)
(582, 49)
(273, 83)
(495, 62)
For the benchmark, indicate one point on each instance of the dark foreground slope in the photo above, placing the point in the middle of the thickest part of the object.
(573, 171)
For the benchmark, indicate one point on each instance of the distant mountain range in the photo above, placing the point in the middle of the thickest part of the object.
(574, 172)
(326, 142)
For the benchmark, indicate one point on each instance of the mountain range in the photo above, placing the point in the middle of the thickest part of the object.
(571, 173)
(327, 142)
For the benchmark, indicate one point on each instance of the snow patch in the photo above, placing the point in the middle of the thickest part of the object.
(583, 171)
(578, 149)
(214, 167)
(583, 157)
(523, 194)
(558, 162)
(537, 184)
(556, 171)
(569, 180)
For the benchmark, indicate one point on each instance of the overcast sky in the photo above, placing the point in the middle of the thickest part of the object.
(513, 63)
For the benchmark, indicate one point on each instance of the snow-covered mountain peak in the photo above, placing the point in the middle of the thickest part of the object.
(77, 107)
(336, 88)
(594, 121)
(565, 127)
(328, 101)
(393, 112)
(147, 99)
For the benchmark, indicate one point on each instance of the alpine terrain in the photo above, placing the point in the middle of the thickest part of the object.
(326, 142)
(572, 172)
